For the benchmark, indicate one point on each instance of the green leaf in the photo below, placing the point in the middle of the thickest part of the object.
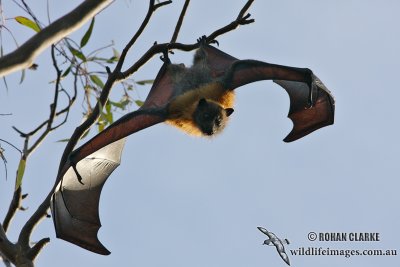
(22, 76)
(112, 59)
(87, 35)
(20, 173)
(116, 104)
(139, 103)
(97, 81)
(63, 140)
(144, 82)
(77, 53)
(108, 114)
(66, 72)
(101, 126)
(116, 53)
(125, 102)
(28, 23)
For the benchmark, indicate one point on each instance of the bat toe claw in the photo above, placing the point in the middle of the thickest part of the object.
(214, 42)
(202, 40)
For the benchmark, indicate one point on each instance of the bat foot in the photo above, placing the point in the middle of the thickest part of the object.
(203, 40)
(165, 58)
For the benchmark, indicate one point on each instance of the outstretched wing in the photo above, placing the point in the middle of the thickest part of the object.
(284, 256)
(126, 125)
(75, 205)
(300, 83)
(265, 231)
(75, 201)
(307, 119)
(311, 104)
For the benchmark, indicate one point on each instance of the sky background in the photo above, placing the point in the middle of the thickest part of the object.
(183, 201)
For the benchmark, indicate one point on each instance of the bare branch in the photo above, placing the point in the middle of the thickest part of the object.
(159, 48)
(12, 209)
(16, 148)
(53, 106)
(8, 249)
(35, 250)
(150, 11)
(23, 56)
(179, 23)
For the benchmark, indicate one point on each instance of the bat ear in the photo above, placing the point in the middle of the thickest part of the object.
(202, 102)
(229, 111)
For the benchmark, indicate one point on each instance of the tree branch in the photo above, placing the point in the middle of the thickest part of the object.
(7, 248)
(179, 23)
(23, 56)
(12, 209)
(35, 250)
(241, 19)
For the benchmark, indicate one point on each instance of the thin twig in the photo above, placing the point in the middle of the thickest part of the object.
(8, 143)
(151, 10)
(179, 23)
(159, 48)
(53, 106)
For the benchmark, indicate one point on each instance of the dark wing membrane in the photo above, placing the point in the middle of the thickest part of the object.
(308, 119)
(75, 206)
(247, 71)
(126, 125)
(217, 61)
(299, 83)
(162, 90)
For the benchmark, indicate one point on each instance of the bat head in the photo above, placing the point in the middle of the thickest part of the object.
(210, 117)
(267, 242)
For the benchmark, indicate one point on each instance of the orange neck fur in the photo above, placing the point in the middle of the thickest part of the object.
(181, 109)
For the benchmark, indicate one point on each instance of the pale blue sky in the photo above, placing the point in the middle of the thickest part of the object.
(182, 201)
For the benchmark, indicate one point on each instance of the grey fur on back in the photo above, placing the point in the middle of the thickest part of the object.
(186, 79)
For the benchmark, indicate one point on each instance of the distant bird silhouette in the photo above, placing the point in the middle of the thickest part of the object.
(275, 241)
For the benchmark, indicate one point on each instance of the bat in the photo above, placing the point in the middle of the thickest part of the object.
(197, 100)
(275, 241)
